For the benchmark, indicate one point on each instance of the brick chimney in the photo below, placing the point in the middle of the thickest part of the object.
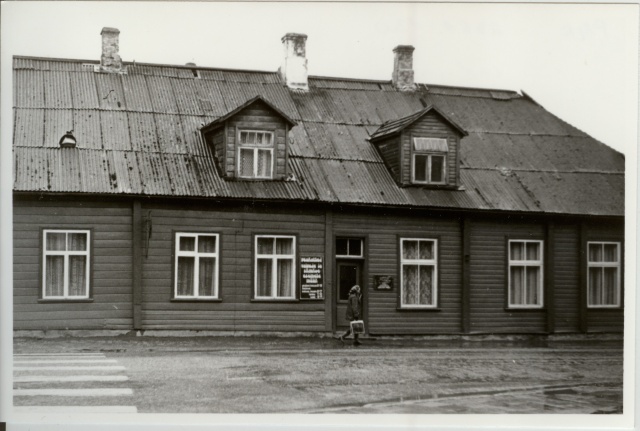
(403, 68)
(294, 65)
(110, 60)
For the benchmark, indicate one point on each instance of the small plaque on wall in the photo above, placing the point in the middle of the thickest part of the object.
(383, 282)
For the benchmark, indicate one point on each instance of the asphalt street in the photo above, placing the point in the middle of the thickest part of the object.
(315, 375)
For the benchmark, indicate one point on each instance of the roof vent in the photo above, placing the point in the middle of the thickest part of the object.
(68, 140)
(403, 68)
(196, 72)
(294, 65)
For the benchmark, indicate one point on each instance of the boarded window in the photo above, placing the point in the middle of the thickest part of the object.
(196, 266)
(603, 274)
(525, 274)
(66, 256)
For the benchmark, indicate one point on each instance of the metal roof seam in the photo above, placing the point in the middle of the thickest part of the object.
(546, 171)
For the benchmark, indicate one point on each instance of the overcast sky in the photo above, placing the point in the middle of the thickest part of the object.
(578, 61)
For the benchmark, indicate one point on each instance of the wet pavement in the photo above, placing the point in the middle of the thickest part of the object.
(321, 375)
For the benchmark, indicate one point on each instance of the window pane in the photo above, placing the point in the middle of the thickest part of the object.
(206, 276)
(246, 162)
(264, 275)
(186, 269)
(264, 163)
(426, 249)
(437, 169)
(595, 286)
(610, 286)
(595, 252)
(243, 137)
(410, 284)
(56, 241)
(517, 251)
(355, 247)
(265, 245)
(77, 242)
(284, 245)
(259, 138)
(77, 275)
(533, 281)
(610, 252)
(341, 247)
(284, 279)
(420, 168)
(207, 244)
(54, 283)
(410, 249)
(187, 243)
(251, 137)
(516, 289)
(533, 251)
(426, 285)
(267, 139)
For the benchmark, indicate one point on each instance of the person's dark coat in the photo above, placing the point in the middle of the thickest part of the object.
(353, 306)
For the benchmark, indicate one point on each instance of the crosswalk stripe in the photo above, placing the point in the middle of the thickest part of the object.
(59, 354)
(75, 409)
(67, 361)
(71, 368)
(94, 392)
(37, 379)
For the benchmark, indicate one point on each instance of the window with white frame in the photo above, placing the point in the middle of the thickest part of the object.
(196, 266)
(275, 267)
(255, 154)
(525, 274)
(419, 273)
(348, 248)
(603, 269)
(66, 256)
(429, 162)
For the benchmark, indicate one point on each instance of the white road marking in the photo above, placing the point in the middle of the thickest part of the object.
(67, 361)
(72, 368)
(97, 392)
(36, 379)
(75, 409)
(59, 354)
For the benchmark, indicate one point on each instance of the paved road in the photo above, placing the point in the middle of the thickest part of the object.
(70, 383)
(271, 375)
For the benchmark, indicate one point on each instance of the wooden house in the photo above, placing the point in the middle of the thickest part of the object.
(158, 197)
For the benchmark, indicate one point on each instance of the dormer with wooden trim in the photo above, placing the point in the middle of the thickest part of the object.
(251, 142)
(421, 149)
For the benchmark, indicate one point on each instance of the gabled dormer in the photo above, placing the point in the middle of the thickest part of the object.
(421, 149)
(251, 142)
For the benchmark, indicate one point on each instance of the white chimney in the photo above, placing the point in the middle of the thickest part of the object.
(403, 68)
(294, 65)
(110, 60)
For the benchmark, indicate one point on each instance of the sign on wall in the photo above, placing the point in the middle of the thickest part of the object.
(383, 282)
(311, 277)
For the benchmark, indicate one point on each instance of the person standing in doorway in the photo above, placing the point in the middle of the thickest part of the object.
(353, 312)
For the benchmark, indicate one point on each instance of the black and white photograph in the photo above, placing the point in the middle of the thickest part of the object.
(357, 215)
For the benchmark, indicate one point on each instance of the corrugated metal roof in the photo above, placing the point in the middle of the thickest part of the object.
(138, 133)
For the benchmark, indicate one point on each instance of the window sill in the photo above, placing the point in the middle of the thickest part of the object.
(290, 301)
(196, 300)
(63, 301)
(523, 309)
(436, 309)
(616, 308)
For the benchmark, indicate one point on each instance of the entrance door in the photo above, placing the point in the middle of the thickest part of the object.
(348, 273)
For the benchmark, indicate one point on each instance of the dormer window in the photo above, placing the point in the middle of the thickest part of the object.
(251, 142)
(421, 149)
(429, 161)
(255, 154)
